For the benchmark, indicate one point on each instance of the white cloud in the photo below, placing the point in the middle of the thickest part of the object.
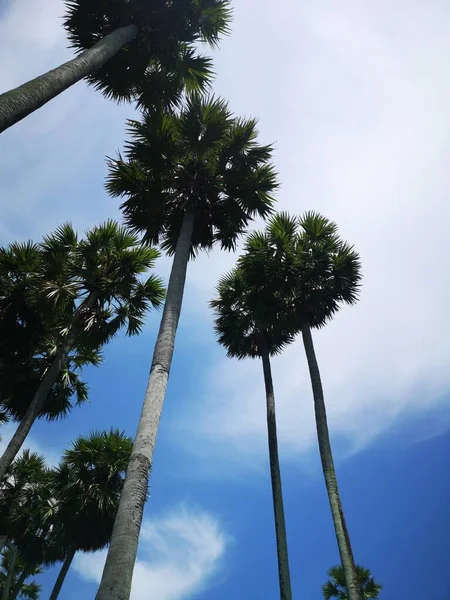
(363, 135)
(178, 556)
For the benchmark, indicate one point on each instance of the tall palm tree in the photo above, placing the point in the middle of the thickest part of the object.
(250, 322)
(336, 587)
(329, 275)
(29, 332)
(321, 272)
(87, 486)
(125, 46)
(101, 290)
(190, 180)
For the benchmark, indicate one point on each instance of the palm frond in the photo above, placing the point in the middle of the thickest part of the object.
(163, 34)
(201, 159)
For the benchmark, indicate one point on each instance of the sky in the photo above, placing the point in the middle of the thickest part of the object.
(355, 97)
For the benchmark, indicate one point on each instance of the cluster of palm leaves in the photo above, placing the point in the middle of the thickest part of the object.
(192, 176)
(48, 514)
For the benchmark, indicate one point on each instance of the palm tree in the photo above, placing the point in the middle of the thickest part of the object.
(191, 180)
(250, 323)
(31, 525)
(26, 473)
(20, 491)
(101, 289)
(316, 272)
(329, 275)
(10, 566)
(125, 46)
(18, 587)
(87, 486)
(29, 333)
(336, 587)
(321, 272)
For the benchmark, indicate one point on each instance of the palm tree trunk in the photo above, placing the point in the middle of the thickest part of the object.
(118, 571)
(326, 455)
(62, 574)
(10, 575)
(280, 526)
(18, 103)
(38, 402)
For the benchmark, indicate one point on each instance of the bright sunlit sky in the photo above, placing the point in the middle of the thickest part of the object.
(356, 97)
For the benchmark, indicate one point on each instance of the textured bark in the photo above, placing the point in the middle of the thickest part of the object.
(275, 475)
(118, 571)
(326, 456)
(10, 575)
(18, 103)
(62, 575)
(38, 402)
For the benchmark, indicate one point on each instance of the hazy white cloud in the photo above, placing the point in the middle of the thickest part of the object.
(363, 128)
(178, 556)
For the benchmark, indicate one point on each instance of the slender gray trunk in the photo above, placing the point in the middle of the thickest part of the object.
(18, 103)
(3, 540)
(38, 402)
(10, 575)
(118, 571)
(275, 475)
(326, 455)
(62, 574)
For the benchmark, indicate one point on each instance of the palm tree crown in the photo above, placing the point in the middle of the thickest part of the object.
(329, 270)
(25, 474)
(315, 269)
(335, 587)
(109, 263)
(87, 486)
(163, 51)
(250, 313)
(202, 160)
(43, 286)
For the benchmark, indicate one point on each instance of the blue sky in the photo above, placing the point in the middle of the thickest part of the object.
(356, 100)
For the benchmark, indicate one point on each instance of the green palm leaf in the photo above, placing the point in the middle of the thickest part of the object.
(202, 159)
(163, 52)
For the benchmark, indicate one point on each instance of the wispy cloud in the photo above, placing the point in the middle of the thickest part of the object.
(179, 555)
